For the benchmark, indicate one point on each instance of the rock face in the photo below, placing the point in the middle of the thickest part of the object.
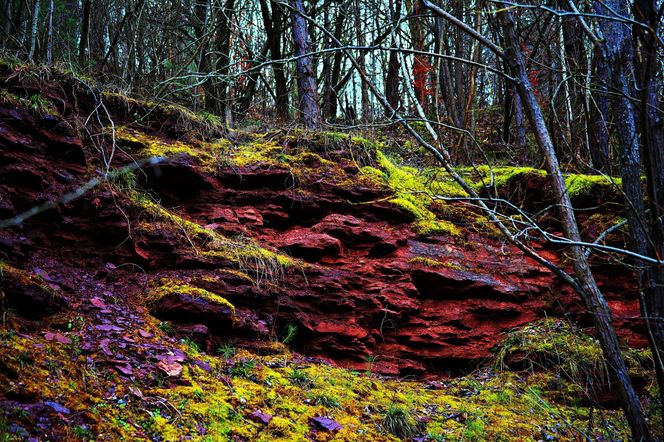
(373, 288)
(311, 246)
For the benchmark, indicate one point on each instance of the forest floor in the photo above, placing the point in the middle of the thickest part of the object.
(281, 285)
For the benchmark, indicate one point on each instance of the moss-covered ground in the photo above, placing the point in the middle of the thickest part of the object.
(234, 394)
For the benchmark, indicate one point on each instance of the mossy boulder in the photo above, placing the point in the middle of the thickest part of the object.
(557, 346)
(184, 303)
(28, 293)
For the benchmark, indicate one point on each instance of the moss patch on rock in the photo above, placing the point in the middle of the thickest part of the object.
(168, 287)
(205, 155)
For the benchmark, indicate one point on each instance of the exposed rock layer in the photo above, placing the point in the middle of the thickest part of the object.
(373, 288)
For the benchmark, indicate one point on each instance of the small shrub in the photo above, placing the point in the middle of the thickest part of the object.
(327, 400)
(166, 327)
(300, 377)
(228, 351)
(243, 368)
(399, 422)
(291, 332)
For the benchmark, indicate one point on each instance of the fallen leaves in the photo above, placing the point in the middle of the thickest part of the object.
(326, 424)
(97, 302)
(171, 368)
(57, 337)
(123, 367)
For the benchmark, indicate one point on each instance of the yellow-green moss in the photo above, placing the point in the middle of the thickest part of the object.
(202, 124)
(482, 175)
(35, 103)
(358, 149)
(256, 152)
(559, 346)
(168, 287)
(577, 184)
(22, 277)
(206, 155)
(428, 262)
(581, 185)
(412, 194)
(248, 255)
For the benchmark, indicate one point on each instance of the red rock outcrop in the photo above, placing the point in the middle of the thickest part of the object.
(373, 287)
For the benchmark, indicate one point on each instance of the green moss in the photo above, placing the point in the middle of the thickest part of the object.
(335, 145)
(412, 194)
(482, 176)
(577, 184)
(168, 287)
(583, 185)
(249, 256)
(203, 125)
(562, 348)
(255, 153)
(36, 104)
(206, 155)
(428, 262)
(216, 403)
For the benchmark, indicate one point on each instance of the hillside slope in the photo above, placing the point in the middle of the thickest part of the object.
(178, 287)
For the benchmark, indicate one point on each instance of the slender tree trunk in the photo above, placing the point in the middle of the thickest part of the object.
(328, 93)
(520, 128)
(49, 41)
(651, 125)
(6, 22)
(273, 23)
(306, 77)
(333, 100)
(201, 17)
(600, 114)
(364, 92)
(508, 112)
(85, 31)
(21, 24)
(392, 80)
(219, 64)
(595, 302)
(252, 82)
(112, 49)
(33, 31)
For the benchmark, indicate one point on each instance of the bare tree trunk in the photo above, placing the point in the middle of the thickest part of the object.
(333, 100)
(328, 93)
(33, 31)
(218, 101)
(112, 49)
(21, 24)
(359, 34)
(595, 302)
(201, 18)
(85, 31)
(252, 82)
(6, 22)
(649, 83)
(306, 77)
(273, 23)
(49, 41)
(520, 127)
(600, 115)
(393, 80)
